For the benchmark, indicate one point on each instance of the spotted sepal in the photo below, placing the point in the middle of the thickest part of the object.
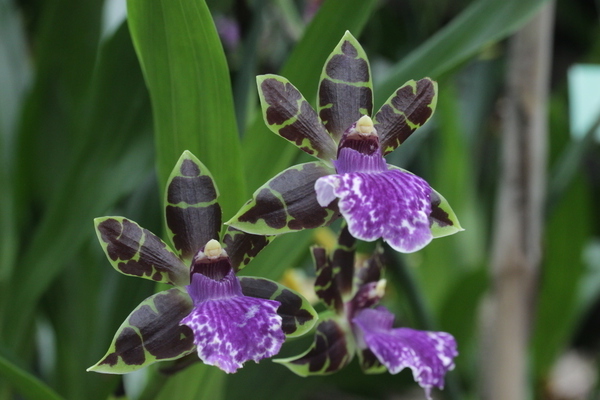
(298, 316)
(326, 286)
(150, 333)
(242, 247)
(406, 110)
(286, 203)
(193, 216)
(331, 351)
(345, 89)
(371, 269)
(343, 259)
(287, 113)
(443, 220)
(133, 250)
(369, 362)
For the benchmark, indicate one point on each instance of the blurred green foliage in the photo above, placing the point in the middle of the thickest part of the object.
(91, 123)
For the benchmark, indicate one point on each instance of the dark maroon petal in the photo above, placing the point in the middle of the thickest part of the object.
(242, 247)
(192, 212)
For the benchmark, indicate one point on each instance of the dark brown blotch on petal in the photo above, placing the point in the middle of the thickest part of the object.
(267, 207)
(347, 103)
(193, 227)
(243, 247)
(438, 215)
(128, 346)
(297, 187)
(282, 100)
(257, 287)
(161, 333)
(291, 311)
(191, 190)
(368, 360)
(189, 168)
(122, 238)
(347, 67)
(326, 286)
(330, 348)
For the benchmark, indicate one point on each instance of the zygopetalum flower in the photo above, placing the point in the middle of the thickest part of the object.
(355, 323)
(376, 199)
(227, 320)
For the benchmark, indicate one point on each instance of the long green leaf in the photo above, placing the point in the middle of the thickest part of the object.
(186, 73)
(482, 23)
(25, 383)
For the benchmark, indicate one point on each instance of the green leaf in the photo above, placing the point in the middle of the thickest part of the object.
(287, 113)
(298, 316)
(286, 203)
(242, 247)
(150, 333)
(303, 67)
(407, 109)
(187, 75)
(345, 87)
(331, 351)
(26, 384)
(135, 251)
(192, 214)
(482, 23)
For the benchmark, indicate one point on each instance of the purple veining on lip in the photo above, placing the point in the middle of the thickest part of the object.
(393, 205)
(230, 328)
(428, 354)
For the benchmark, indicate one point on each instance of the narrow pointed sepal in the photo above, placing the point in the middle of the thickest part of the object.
(150, 333)
(345, 89)
(298, 316)
(393, 205)
(406, 110)
(286, 203)
(193, 216)
(443, 220)
(326, 282)
(287, 113)
(331, 351)
(135, 251)
(369, 362)
(428, 354)
(242, 247)
(230, 331)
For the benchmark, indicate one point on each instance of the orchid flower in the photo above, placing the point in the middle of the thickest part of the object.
(356, 324)
(376, 199)
(225, 319)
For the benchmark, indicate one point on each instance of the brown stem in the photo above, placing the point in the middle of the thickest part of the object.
(519, 211)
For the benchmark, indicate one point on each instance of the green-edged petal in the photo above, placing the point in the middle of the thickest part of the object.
(133, 250)
(298, 316)
(406, 110)
(286, 203)
(443, 220)
(345, 89)
(242, 247)
(326, 282)
(150, 333)
(369, 362)
(331, 351)
(287, 113)
(193, 216)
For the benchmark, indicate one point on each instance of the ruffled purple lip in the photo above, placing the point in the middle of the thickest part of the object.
(428, 354)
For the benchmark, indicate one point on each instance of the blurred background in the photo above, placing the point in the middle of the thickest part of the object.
(91, 123)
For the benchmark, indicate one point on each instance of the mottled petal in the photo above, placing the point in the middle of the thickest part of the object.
(393, 205)
(345, 89)
(242, 247)
(330, 351)
(428, 354)
(192, 213)
(231, 331)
